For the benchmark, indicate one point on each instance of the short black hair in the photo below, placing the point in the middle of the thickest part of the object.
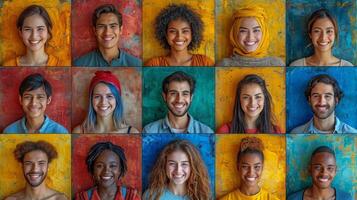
(326, 79)
(98, 148)
(103, 9)
(179, 76)
(33, 82)
(182, 12)
(323, 149)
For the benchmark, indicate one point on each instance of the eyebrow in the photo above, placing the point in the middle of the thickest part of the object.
(329, 93)
(107, 24)
(253, 95)
(242, 27)
(244, 163)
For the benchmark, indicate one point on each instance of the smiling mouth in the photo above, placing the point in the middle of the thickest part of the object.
(251, 179)
(108, 38)
(250, 43)
(323, 179)
(34, 176)
(106, 178)
(252, 109)
(103, 108)
(179, 43)
(34, 41)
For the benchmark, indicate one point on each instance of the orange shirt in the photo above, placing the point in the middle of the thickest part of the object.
(52, 61)
(197, 60)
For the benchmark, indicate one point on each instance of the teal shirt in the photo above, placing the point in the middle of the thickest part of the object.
(340, 127)
(96, 59)
(166, 195)
(48, 126)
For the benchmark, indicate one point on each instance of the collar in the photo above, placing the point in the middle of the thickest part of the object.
(313, 129)
(42, 128)
(102, 57)
(189, 129)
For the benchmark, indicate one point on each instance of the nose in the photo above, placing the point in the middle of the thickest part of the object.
(107, 30)
(178, 97)
(252, 101)
(322, 100)
(250, 35)
(323, 36)
(102, 100)
(34, 167)
(250, 171)
(178, 169)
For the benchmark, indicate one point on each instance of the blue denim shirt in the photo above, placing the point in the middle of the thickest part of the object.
(163, 126)
(340, 127)
(48, 126)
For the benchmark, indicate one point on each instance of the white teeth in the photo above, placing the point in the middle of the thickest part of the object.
(252, 109)
(106, 177)
(249, 43)
(323, 179)
(179, 43)
(108, 38)
(34, 41)
(323, 43)
(251, 179)
(179, 106)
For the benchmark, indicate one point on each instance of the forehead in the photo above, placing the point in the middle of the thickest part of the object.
(248, 22)
(323, 23)
(322, 88)
(250, 158)
(101, 88)
(35, 155)
(107, 156)
(179, 86)
(178, 155)
(323, 158)
(38, 91)
(34, 20)
(251, 89)
(179, 23)
(107, 18)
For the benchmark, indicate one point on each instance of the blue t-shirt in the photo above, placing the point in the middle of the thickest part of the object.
(48, 126)
(95, 59)
(340, 195)
(167, 195)
(340, 127)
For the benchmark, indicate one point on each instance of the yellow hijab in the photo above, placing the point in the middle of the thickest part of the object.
(261, 17)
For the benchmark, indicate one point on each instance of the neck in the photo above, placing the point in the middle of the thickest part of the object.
(327, 124)
(249, 190)
(105, 124)
(107, 192)
(180, 58)
(250, 122)
(36, 193)
(179, 190)
(323, 58)
(321, 194)
(109, 54)
(34, 124)
(178, 122)
(35, 57)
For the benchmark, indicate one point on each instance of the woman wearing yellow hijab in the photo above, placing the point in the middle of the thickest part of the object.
(249, 36)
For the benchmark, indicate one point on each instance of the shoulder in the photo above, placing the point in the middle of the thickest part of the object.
(276, 61)
(14, 127)
(277, 129)
(298, 62)
(134, 130)
(85, 59)
(55, 127)
(200, 127)
(61, 196)
(296, 195)
(154, 127)
(342, 195)
(16, 196)
(78, 129)
(347, 128)
(345, 63)
(226, 62)
(157, 61)
(300, 129)
(201, 60)
(231, 196)
(129, 59)
(225, 128)
(268, 196)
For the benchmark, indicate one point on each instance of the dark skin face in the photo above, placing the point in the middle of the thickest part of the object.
(106, 169)
(323, 170)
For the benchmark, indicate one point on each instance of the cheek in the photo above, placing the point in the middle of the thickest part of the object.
(241, 37)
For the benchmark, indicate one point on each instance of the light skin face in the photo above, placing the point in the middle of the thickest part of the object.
(322, 35)
(250, 170)
(103, 100)
(323, 169)
(35, 167)
(178, 168)
(34, 102)
(34, 33)
(322, 100)
(178, 98)
(252, 100)
(179, 35)
(108, 31)
(250, 34)
(106, 169)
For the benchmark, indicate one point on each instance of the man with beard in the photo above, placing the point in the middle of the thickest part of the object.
(323, 94)
(35, 158)
(177, 92)
(322, 169)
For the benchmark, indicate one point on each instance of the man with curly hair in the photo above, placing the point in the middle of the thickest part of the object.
(35, 158)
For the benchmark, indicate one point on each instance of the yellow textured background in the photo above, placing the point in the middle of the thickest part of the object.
(226, 84)
(275, 10)
(59, 171)
(273, 178)
(151, 8)
(11, 42)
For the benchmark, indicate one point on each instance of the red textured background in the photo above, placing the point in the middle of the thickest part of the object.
(81, 178)
(60, 107)
(82, 32)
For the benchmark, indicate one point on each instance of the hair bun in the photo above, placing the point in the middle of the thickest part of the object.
(251, 143)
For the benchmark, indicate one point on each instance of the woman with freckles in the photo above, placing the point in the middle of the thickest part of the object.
(105, 112)
(35, 29)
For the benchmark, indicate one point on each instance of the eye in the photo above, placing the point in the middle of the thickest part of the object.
(98, 166)
(113, 26)
(113, 166)
(40, 29)
(317, 167)
(259, 97)
(330, 31)
(245, 167)
(257, 167)
(96, 96)
(256, 31)
(26, 29)
(186, 31)
(110, 96)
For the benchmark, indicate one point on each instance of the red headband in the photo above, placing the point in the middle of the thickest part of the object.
(106, 77)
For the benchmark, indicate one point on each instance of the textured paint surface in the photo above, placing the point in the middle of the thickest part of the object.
(59, 45)
(58, 110)
(202, 106)
(299, 111)
(130, 39)
(82, 179)
(130, 80)
(154, 143)
(299, 150)
(227, 177)
(59, 172)
(297, 39)
(152, 8)
(275, 10)
(226, 84)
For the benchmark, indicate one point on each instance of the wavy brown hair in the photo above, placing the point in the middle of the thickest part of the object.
(197, 185)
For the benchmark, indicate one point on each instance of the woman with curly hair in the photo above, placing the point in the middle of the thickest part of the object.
(179, 174)
(179, 30)
(250, 164)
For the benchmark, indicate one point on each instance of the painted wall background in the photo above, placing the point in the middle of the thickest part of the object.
(130, 80)
(153, 144)
(299, 150)
(227, 80)
(273, 178)
(202, 106)
(297, 38)
(151, 9)
(59, 172)
(299, 111)
(81, 144)
(58, 110)
(11, 43)
(276, 23)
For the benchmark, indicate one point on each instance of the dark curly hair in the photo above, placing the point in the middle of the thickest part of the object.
(25, 147)
(326, 79)
(182, 12)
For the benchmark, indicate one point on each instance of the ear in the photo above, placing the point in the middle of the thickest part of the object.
(94, 30)
(163, 96)
(336, 100)
(20, 99)
(19, 32)
(309, 169)
(121, 30)
(49, 100)
(309, 100)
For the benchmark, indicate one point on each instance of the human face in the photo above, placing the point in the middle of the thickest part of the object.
(108, 31)
(103, 100)
(322, 100)
(178, 168)
(323, 169)
(34, 167)
(34, 102)
(106, 169)
(34, 33)
(250, 33)
(178, 98)
(252, 100)
(322, 34)
(179, 35)
(250, 169)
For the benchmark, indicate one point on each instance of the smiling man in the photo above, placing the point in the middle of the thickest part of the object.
(177, 92)
(323, 94)
(107, 27)
(35, 158)
(35, 94)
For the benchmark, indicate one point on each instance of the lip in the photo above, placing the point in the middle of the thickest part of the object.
(34, 42)
(251, 179)
(249, 43)
(323, 179)
(106, 178)
(108, 38)
(34, 176)
(252, 109)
